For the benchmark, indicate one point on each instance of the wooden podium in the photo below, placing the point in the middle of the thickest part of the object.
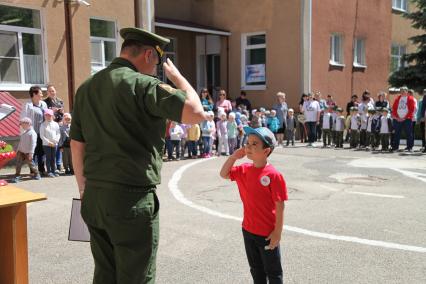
(13, 233)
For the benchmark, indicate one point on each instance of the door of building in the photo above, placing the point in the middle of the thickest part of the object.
(213, 74)
(208, 49)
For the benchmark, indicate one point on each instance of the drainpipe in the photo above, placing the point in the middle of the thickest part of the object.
(353, 46)
(306, 34)
(144, 14)
(149, 10)
(310, 48)
(70, 53)
(227, 64)
(137, 18)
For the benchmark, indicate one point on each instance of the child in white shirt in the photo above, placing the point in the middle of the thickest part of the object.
(50, 135)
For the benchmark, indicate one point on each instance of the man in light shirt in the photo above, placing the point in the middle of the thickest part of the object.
(311, 109)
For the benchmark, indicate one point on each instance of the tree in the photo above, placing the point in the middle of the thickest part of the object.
(413, 75)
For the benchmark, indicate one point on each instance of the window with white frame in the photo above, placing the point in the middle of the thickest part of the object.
(359, 52)
(253, 60)
(103, 43)
(169, 52)
(336, 49)
(400, 5)
(21, 46)
(397, 52)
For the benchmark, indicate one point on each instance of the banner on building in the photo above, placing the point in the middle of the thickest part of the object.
(255, 73)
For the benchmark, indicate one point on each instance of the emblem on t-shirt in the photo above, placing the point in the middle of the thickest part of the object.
(265, 180)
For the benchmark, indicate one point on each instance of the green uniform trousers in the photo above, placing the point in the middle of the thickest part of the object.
(124, 233)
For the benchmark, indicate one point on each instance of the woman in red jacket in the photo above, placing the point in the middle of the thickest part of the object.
(402, 113)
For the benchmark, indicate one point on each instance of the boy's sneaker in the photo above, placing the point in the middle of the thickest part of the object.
(56, 174)
(37, 177)
(51, 175)
(16, 179)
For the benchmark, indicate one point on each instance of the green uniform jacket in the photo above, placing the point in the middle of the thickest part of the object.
(120, 115)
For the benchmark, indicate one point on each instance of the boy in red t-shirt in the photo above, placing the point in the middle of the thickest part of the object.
(263, 192)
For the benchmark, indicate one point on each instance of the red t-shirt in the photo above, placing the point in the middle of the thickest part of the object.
(259, 189)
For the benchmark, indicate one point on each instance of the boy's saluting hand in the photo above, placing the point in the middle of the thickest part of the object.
(239, 154)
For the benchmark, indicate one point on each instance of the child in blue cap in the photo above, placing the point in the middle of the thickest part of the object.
(263, 192)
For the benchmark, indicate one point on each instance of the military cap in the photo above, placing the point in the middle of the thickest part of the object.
(354, 108)
(339, 109)
(146, 38)
(379, 108)
(385, 109)
(371, 110)
(404, 89)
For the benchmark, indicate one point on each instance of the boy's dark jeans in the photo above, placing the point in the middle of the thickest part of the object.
(265, 265)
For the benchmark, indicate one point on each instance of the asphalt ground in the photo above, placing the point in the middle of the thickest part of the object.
(351, 217)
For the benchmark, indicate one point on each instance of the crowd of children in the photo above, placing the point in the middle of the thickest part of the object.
(367, 126)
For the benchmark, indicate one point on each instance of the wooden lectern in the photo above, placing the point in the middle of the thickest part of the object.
(13, 233)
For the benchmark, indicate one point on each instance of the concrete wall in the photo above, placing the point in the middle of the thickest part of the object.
(173, 9)
(372, 21)
(53, 21)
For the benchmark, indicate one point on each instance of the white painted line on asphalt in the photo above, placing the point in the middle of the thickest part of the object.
(329, 188)
(362, 193)
(375, 194)
(174, 189)
(410, 174)
(398, 165)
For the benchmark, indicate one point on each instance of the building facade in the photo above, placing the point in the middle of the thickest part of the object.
(336, 47)
(60, 42)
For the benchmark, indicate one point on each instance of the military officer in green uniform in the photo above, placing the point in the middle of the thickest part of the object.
(118, 130)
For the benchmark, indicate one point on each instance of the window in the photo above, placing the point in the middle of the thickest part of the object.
(21, 46)
(336, 49)
(397, 51)
(253, 59)
(103, 43)
(400, 5)
(169, 52)
(359, 53)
